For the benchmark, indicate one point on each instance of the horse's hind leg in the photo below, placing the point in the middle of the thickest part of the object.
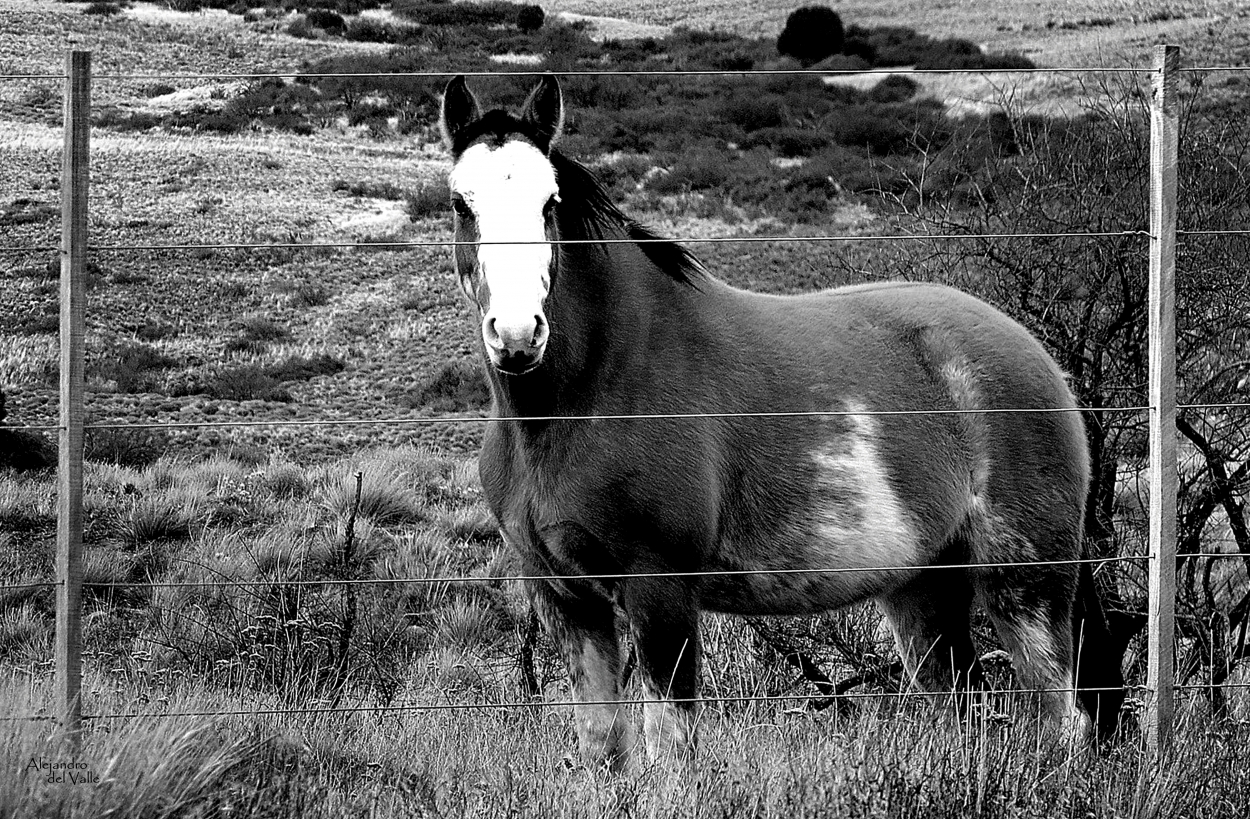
(1031, 608)
(582, 623)
(930, 616)
(664, 622)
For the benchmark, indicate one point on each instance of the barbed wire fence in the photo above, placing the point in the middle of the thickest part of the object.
(1161, 408)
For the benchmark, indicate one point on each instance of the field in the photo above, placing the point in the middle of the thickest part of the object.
(303, 332)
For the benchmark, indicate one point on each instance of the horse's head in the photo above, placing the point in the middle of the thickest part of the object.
(504, 194)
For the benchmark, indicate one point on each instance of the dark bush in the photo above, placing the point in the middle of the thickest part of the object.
(23, 450)
(430, 13)
(132, 366)
(812, 33)
(695, 172)
(530, 18)
(326, 20)
(457, 386)
(254, 333)
(367, 29)
(431, 200)
(753, 112)
(894, 88)
(244, 383)
(302, 368)
(834, 170)
(886, 129)
(305, 294)
(125, 447)
(861, 48)
(155, 331)
(103, 9)
(787, 141)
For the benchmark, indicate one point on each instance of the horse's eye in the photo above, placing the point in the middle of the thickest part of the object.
(461, 207)
(550, 207)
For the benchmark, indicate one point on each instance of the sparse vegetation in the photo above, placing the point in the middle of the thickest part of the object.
(457, 386)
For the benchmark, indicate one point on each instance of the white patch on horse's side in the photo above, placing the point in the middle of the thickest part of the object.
(961, 382)
(859, 516)
(507, 188)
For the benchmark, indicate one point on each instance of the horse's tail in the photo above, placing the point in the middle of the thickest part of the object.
(1099, 680)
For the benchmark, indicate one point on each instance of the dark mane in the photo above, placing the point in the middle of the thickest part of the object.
(588, 212)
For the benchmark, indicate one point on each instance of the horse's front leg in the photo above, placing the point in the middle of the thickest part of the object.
(582, 623)
(664, 623)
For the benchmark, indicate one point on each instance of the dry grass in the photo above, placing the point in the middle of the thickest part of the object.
(907, 759)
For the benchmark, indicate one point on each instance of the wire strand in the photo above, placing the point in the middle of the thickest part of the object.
(552, 418)
(604, 72)
(517, 704)
(38, 584)
(623, 240)
(397, 581)
(529, 704)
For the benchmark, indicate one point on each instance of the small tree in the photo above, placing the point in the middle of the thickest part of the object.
(812, 33)
(530, 18)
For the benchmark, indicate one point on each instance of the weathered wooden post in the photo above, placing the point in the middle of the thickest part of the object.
(75, 170)
(1162, 339)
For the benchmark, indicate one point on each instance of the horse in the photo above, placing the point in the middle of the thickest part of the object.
(851, 430)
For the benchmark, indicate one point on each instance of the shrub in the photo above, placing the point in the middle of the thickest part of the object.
(326, 20)
(387, 497)
(305, 294)
(530, 18)
(370, 190)
(457, 386)
(22, 450)
(694, 172)
(430, 13)
(132, 366)
(861, 48)
(370, 30)
(302, 368)
(835, 169)
(254, 333)
(429, 201)
(753, 112)
(245, 383)
(895, 88)
(881, 129)
(812, 33)
(103, 9)
(125, 447)
(787, 141)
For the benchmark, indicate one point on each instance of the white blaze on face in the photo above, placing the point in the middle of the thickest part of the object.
(507, 188)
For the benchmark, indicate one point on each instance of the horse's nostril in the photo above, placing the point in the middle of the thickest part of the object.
(491, 333)
(540, 331)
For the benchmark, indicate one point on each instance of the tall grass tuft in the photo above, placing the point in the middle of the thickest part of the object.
(386, 497)
(145, 768)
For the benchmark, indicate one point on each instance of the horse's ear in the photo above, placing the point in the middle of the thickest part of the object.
(545, 111)
(460, 108)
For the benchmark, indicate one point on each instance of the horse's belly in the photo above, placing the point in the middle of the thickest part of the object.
(849, 536)
(807, 577)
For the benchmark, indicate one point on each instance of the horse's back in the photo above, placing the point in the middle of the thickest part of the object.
(917, 452)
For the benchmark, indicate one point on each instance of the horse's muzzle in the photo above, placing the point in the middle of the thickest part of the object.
(515, 347)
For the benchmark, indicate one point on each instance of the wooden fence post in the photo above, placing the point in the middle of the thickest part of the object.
(1162, 339)
(74, 178)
